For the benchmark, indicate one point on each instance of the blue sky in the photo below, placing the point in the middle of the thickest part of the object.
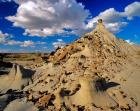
(43, 25)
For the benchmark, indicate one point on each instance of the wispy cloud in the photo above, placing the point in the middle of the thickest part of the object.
(5, 40)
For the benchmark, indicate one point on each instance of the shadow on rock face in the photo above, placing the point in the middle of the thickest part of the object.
(64, 92)
(9, 96)
(26, 73)
(5, 64)
(3, 72)
(5, 67)
(102, 85)
(111, 84)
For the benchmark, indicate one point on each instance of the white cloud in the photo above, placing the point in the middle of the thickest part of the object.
(129, 41)
(132, 10)
(40, 43)
(45, 47)
(3, 35)
(60, 43)
(59, 40)
(22, 44)
(5, 39)
(27, 43)
(48, 17)
(12, 42)
(115, 26)
(115, 20)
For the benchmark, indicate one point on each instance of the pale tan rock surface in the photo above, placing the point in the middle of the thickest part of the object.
(97, 72)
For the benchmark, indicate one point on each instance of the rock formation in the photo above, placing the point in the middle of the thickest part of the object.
(79, 75)
(17, 78)
(91, 74)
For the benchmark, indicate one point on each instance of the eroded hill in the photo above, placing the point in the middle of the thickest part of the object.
(98, 72)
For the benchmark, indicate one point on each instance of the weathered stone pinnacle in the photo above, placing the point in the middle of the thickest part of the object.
(100, 24)
(100, 21)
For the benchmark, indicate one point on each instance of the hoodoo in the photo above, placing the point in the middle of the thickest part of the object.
(16, 79)
(100, 24)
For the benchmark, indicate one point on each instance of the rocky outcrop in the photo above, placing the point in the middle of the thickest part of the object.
(17, 78)
(87, 75)
(78, 76)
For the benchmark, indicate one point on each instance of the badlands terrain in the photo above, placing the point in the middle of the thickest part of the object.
(98, 72)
